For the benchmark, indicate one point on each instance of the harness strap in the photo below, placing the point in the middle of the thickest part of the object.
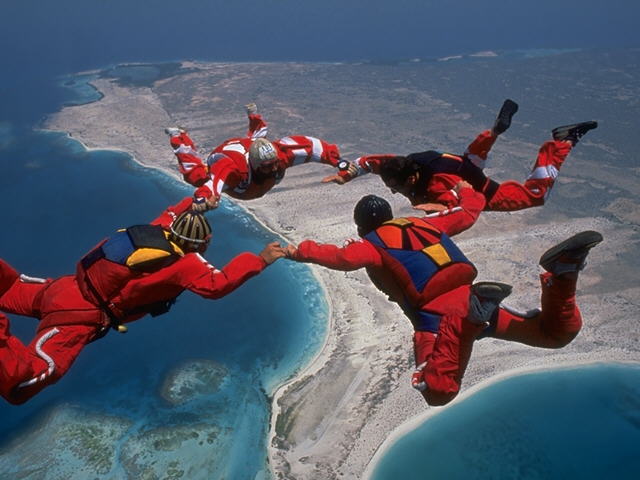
(478, 180)
(92, 257)
(114, 321)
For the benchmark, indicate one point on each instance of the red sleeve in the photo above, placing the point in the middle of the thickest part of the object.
(330, 154)
(257, 126)
(224, 173)
(167, 217)
(462, 217)
(208, 282)
(368, 164)
(372, 163)
(191, 272)
(439, 189)
(353, 256)
(298, 149)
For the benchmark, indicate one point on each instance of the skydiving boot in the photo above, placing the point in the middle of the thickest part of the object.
(573, 133)
(570, 255)
(503, 120)
(484, 301)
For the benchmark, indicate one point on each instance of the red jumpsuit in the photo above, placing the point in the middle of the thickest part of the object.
(227, 168)
(69, 320)
(446, 346)
(506, 196)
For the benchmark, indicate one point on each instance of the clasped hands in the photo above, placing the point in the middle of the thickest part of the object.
(273, 251)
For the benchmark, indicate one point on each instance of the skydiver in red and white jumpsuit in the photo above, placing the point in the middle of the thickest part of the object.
(230, 169)
(428, 177)
(431, 280)
(71, 316)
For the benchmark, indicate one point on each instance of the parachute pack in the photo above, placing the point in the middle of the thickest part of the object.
(127, 254)
(143, 248)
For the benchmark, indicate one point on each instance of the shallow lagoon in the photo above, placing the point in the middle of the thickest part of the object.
(64, 201)
(581, 422)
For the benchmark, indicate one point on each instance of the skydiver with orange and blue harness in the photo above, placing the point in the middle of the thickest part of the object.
(416, 264)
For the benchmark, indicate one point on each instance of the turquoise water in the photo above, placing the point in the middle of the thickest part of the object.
(579, 423)
(60, 200)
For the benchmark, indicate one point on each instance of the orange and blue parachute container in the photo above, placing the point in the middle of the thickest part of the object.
(423, 260)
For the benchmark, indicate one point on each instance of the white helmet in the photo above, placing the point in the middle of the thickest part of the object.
(261, 151)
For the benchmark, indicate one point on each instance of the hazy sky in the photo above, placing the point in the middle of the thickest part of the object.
(73, 34)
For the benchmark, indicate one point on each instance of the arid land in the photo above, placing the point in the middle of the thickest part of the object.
(330, 420)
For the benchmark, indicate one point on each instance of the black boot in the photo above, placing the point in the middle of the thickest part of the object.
(570, 255)
(503, 120)
(485, 299)
(574, 132)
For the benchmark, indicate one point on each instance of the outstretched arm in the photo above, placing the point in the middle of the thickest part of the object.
(167, 217)
(458, 219)
(212, 283)
(354, 255)
(298, 149)
(362, 166)
(224, 173)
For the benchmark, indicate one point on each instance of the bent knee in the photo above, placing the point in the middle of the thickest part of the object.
(8, 276)
(437, 399)
(560, 340)
(16, 396)
(16, 400)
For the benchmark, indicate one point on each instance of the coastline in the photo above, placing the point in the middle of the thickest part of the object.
(308, 370)
(319, 358)
(341, 407)
(417, 421)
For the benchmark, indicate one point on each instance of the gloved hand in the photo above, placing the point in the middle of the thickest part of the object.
(417, 379)
(201, 204)
(251, 108)
(346, 171)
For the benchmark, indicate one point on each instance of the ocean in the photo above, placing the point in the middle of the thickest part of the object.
(559, 424)
(60, 200)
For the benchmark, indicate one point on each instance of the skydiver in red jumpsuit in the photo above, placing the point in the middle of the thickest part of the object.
(428, 177)
(137, 271)
(246, 167)
(414, 262)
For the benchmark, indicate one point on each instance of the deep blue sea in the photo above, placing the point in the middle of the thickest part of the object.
(578, 423)
(59, 201)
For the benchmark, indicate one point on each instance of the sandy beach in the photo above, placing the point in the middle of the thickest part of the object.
(332, 419)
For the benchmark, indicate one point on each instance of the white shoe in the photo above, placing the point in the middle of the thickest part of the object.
(174, 131)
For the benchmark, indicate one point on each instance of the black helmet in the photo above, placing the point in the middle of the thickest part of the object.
(191, 231)
(371, 211)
